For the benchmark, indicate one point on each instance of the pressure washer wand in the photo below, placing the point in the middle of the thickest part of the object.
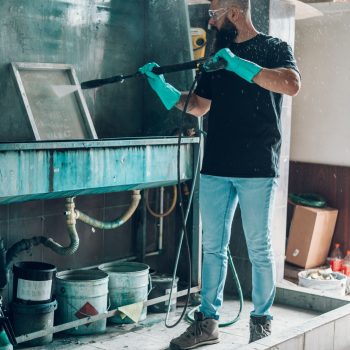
(206, 64)
(90, 84)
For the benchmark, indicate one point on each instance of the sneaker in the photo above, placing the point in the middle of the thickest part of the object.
(203, 331)
(260, 327)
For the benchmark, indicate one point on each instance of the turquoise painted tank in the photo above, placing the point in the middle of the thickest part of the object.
(43, 170)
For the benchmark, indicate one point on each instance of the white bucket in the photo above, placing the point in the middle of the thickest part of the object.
(128, 284)
(337, 286)
(82, 293)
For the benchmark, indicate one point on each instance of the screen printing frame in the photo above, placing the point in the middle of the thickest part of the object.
(80, 114)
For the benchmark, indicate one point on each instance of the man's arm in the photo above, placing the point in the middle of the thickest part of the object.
(197, 106)
(280, 80)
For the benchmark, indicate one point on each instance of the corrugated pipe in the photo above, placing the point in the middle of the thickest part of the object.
(73, 234)
(6, 257)
(136, 197)
(23, 245)
(28, 244)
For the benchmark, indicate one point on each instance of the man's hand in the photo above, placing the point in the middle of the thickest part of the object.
(245, 69)
(166, 92)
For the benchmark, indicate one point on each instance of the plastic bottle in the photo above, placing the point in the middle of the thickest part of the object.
(346, 264)
(336, 258)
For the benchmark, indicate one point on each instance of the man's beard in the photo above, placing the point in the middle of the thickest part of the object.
(225, 36)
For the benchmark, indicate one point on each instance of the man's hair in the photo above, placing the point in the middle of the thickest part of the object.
(242, 4)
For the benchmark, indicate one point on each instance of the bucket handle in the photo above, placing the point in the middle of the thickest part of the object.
(150, 286)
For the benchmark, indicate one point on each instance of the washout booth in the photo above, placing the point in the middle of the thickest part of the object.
(125, 142)
(91, 148)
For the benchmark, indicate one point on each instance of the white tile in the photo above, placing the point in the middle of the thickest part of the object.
(296, 343)
(342, 334)
(320, 338)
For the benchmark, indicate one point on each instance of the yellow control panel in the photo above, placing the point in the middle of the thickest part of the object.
(199, 42)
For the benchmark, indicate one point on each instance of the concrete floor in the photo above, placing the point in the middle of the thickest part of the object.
(152, 334)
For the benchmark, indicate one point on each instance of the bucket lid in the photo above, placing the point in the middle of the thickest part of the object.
(81, 275)
(34, 266)
(123, 267)
(34, 308)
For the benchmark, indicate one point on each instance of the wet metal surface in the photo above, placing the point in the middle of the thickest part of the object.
(45, 170)
(99, 38)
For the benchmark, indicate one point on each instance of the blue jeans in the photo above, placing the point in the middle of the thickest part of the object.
(218, 201)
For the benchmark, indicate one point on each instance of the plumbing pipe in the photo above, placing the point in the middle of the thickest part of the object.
(161, 213)
(161, 220)
(141, 232)
(22, 245)
(169, 211)
(6, 257)
(73, 234)
(136, 197)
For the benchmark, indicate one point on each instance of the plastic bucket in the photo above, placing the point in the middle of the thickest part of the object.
(337, 286)
(161, 285)
(29, 318)
(82, 293)
(128, 284)
(32, 282)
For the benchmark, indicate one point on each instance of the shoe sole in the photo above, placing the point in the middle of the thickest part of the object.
(207, 342)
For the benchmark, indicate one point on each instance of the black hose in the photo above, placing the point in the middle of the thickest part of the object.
(184, 216)
(189, 316)
(213, 66)
(22, 245)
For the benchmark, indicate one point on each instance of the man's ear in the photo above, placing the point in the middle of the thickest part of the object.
(233, 14)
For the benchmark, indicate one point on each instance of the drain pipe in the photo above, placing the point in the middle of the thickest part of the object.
(161, 215)
(136, 197)
(161, 219)
(27, 244)
(6, 257)
(73, 234)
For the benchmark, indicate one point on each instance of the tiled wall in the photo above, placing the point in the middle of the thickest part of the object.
(46, 218)
(330, 181)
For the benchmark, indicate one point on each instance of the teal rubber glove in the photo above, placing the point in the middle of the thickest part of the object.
(245, 69)
(166, 92)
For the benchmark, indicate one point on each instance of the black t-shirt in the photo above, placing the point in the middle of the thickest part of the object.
(244, 129)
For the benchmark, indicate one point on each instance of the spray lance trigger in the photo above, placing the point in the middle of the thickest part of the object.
(211, 66)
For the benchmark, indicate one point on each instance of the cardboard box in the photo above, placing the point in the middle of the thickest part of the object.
(310, 236)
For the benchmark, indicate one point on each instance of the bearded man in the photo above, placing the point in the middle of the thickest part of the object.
(241, 158)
